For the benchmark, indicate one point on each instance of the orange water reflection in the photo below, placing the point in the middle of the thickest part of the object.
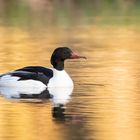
(105, 102)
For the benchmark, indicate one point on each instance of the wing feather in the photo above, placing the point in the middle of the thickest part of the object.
(34, 73)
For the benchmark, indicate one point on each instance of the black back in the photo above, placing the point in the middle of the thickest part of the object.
(34, 73)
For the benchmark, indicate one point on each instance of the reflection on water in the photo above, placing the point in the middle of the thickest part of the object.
(58, 96)
(105, 102)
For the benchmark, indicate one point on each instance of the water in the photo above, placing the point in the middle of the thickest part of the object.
(104, 104)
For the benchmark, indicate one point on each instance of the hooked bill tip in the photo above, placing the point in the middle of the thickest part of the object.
(76, 56)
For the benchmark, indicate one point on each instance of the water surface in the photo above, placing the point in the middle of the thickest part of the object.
(105, 102)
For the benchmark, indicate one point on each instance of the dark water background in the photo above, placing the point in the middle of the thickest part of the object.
(105, 104)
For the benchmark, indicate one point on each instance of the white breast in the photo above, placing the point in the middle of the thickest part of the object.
(60, 79)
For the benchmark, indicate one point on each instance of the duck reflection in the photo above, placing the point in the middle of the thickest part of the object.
(59, 97)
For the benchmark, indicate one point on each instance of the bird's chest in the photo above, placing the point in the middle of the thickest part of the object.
(60, 79)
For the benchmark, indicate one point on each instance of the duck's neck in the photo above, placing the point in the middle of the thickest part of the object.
(59, 65)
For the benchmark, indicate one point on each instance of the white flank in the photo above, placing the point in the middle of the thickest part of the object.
(60, 79)
(14, 92)
(12, 81)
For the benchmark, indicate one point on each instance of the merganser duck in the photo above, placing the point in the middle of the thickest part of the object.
(41, 77)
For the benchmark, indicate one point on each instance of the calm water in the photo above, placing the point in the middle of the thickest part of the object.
(105, 104)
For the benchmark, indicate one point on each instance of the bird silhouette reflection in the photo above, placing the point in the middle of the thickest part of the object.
(59, 97)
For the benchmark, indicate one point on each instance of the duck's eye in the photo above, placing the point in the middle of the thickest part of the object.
(66, 53)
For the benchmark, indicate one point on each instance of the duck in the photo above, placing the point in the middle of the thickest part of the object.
(42, 77)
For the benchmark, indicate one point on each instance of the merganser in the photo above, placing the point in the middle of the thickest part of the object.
(42, 77)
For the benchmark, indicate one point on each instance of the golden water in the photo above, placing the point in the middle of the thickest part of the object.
(105, 104)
